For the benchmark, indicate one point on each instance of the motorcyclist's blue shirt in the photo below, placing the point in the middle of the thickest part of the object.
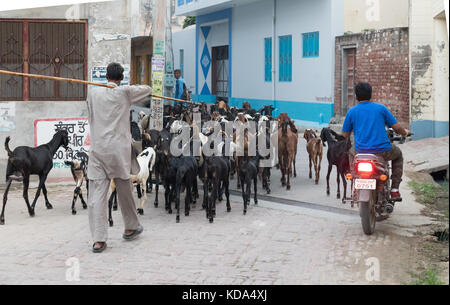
(368, 121)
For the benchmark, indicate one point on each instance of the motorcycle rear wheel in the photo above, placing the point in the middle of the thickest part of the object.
(368, 214)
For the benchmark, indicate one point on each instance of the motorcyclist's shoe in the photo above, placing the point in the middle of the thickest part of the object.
(395, 196)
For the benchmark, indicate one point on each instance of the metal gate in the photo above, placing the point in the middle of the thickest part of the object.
(220, 59)
(53, 48)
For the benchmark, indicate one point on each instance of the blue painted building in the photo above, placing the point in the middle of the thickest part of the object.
(278, 52)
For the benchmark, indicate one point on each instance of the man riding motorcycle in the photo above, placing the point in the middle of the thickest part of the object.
(368, 121)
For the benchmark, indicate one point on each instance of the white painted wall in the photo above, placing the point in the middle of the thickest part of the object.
(428, 29)
(440, 70)
(375, 14)
(251, 24)
(312, 77)
(185, 39)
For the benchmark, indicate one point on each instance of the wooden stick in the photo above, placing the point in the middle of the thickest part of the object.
(62, 79)
(79, 81)
(174, 99)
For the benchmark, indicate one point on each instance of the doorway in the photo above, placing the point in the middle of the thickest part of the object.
(348, 79)
(219, 78)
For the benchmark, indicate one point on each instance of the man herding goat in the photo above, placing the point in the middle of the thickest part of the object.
(111, 154)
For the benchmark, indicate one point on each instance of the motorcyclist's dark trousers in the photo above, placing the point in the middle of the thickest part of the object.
(396, 156)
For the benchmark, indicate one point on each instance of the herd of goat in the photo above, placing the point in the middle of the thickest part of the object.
(179, 174)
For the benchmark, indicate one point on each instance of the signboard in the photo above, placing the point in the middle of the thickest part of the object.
(157, 105)
(156, 114)
(158, 64)
(169, 67)
(79, 140)
(158, 82)
(98, 75)
(159, 47)
(169, 80)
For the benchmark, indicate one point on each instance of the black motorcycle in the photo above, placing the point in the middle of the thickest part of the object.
(371, 187)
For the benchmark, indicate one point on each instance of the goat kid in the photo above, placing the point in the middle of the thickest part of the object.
(79, 174)
(25, 161)
(146, 160)
(248, 172)
(217, 180)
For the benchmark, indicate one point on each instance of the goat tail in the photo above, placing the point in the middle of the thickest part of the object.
(7, 146)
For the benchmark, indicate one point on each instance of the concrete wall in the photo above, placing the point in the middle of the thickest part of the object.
(103, 18)
(429, 69)
(185, 39)
(375, 14)
(382, 60)
(309, 97)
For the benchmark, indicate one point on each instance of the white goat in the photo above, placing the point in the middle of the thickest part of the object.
(146, 160)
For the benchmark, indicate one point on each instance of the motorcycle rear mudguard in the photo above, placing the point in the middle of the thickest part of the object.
(364, 195)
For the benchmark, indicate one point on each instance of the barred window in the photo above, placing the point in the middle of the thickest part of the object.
(54, 48)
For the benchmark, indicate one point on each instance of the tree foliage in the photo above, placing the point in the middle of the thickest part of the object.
(188, 21)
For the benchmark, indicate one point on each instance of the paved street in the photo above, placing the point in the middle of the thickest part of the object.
(273, 244)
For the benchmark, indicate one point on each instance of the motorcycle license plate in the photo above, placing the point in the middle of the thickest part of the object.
(365, 184)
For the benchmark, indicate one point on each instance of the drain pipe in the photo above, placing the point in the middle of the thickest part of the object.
(274, 52)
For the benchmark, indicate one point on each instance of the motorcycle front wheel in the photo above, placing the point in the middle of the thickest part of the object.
(368, 214)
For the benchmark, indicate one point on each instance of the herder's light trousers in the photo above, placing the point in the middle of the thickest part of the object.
(98, 207)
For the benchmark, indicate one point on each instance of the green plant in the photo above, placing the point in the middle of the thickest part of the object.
(188, 21)
(429, 193)
(427, 278)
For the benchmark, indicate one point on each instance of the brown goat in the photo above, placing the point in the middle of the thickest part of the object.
(287, 151)
(314, 147)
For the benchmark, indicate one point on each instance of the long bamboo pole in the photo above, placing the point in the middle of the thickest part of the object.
(79, 81)
(62, 79)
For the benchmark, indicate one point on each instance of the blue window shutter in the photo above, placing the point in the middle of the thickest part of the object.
(285, 74)
(281, 59)
(316, 49)
(289, 59)
(268, 59)
(311, 44)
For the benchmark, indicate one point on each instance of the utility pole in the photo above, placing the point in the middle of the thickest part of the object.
(169, 81)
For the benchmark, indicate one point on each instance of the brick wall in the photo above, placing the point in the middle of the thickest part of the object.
(382, 59)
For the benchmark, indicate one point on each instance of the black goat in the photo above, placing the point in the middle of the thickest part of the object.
(248, 171)
(162, 151)
(150, 139)
(338, 155)
(217, 179)
(178, 173)
(78, 167)
(25, 161)
(267, 111)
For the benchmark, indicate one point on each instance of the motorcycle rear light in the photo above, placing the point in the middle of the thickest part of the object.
(383, 178)
(365, 167)
(349, 176)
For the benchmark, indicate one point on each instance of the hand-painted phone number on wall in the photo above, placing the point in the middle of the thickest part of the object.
(79, 139)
